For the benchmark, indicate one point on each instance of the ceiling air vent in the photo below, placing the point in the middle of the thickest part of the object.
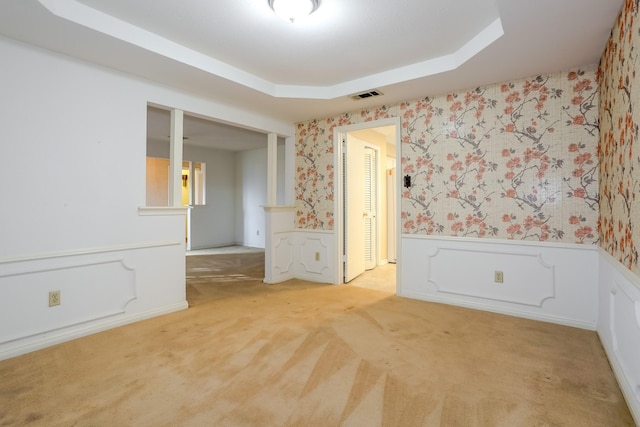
(367, 94)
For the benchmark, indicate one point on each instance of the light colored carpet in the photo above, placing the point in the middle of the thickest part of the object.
(303, 354)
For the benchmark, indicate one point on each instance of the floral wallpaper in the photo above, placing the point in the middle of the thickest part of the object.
(619, 147)
(314, 166)
(516, 160)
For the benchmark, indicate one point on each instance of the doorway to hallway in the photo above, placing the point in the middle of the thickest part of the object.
(366, 204)
(361, 206)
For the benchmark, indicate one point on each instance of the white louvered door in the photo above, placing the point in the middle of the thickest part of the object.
(354, 232)
(370, 208)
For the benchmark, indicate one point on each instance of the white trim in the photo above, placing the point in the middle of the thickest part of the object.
(620, 268)
(32, 270)
(398, 207)
(556, 245)
(546, 290)
(90, 251)
(311, 230)
(310, 277)
(88, 330)
(572, 281)
(272, 168)
(162, 210)
(175, 158)
(591, 326)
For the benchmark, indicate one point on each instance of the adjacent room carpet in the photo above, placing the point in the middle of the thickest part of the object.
(304, 354)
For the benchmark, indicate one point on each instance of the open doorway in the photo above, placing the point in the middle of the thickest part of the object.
(224, 178)
(367, 207)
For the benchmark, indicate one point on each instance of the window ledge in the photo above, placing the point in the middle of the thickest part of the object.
(162, 210)
(279, 208)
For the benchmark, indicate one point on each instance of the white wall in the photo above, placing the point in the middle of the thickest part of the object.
(72, 179)
(280, 196)
(214, 223)
(251, 196)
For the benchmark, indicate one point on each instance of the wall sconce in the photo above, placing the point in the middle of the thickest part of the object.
(184, 180)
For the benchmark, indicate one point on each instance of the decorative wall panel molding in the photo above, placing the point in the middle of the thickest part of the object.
(527, 279)
(314, 255)
(88, 251)
(301, 254)
(283, 255)
(90, 289)
(462, 271)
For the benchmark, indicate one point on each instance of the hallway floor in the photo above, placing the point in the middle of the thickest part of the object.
(381, 278)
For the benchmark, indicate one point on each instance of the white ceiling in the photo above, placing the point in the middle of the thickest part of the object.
(238, 52)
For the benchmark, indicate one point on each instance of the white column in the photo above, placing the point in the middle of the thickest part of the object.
(175, 162)
(289, 171)
(272, 169)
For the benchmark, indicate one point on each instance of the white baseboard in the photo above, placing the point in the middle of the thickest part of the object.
(278, 279)
(313, 278)
(77, 332)
(628, 391)
(500, 310)
(619, 326)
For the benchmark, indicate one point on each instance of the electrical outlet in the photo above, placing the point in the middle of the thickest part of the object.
(317, 256)
(54, 298)
(498, 277)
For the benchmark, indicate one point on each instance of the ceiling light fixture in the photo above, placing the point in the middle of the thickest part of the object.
(292, 10)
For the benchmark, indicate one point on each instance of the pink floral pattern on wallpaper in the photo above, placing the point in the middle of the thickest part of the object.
(314, 167)
(619, 150)
(511, 161)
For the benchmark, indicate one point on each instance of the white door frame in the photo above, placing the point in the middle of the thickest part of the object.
(338, 224)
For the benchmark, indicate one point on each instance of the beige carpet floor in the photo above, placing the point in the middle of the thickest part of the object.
(304, 354)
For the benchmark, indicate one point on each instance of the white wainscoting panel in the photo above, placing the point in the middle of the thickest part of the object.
(99, 288)
(619, 326)
(314, 255)
(89, 290)
(296, 253)
(280, 244)
(314, 251)
(543, 281)
(283, 256)
(527, 279)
